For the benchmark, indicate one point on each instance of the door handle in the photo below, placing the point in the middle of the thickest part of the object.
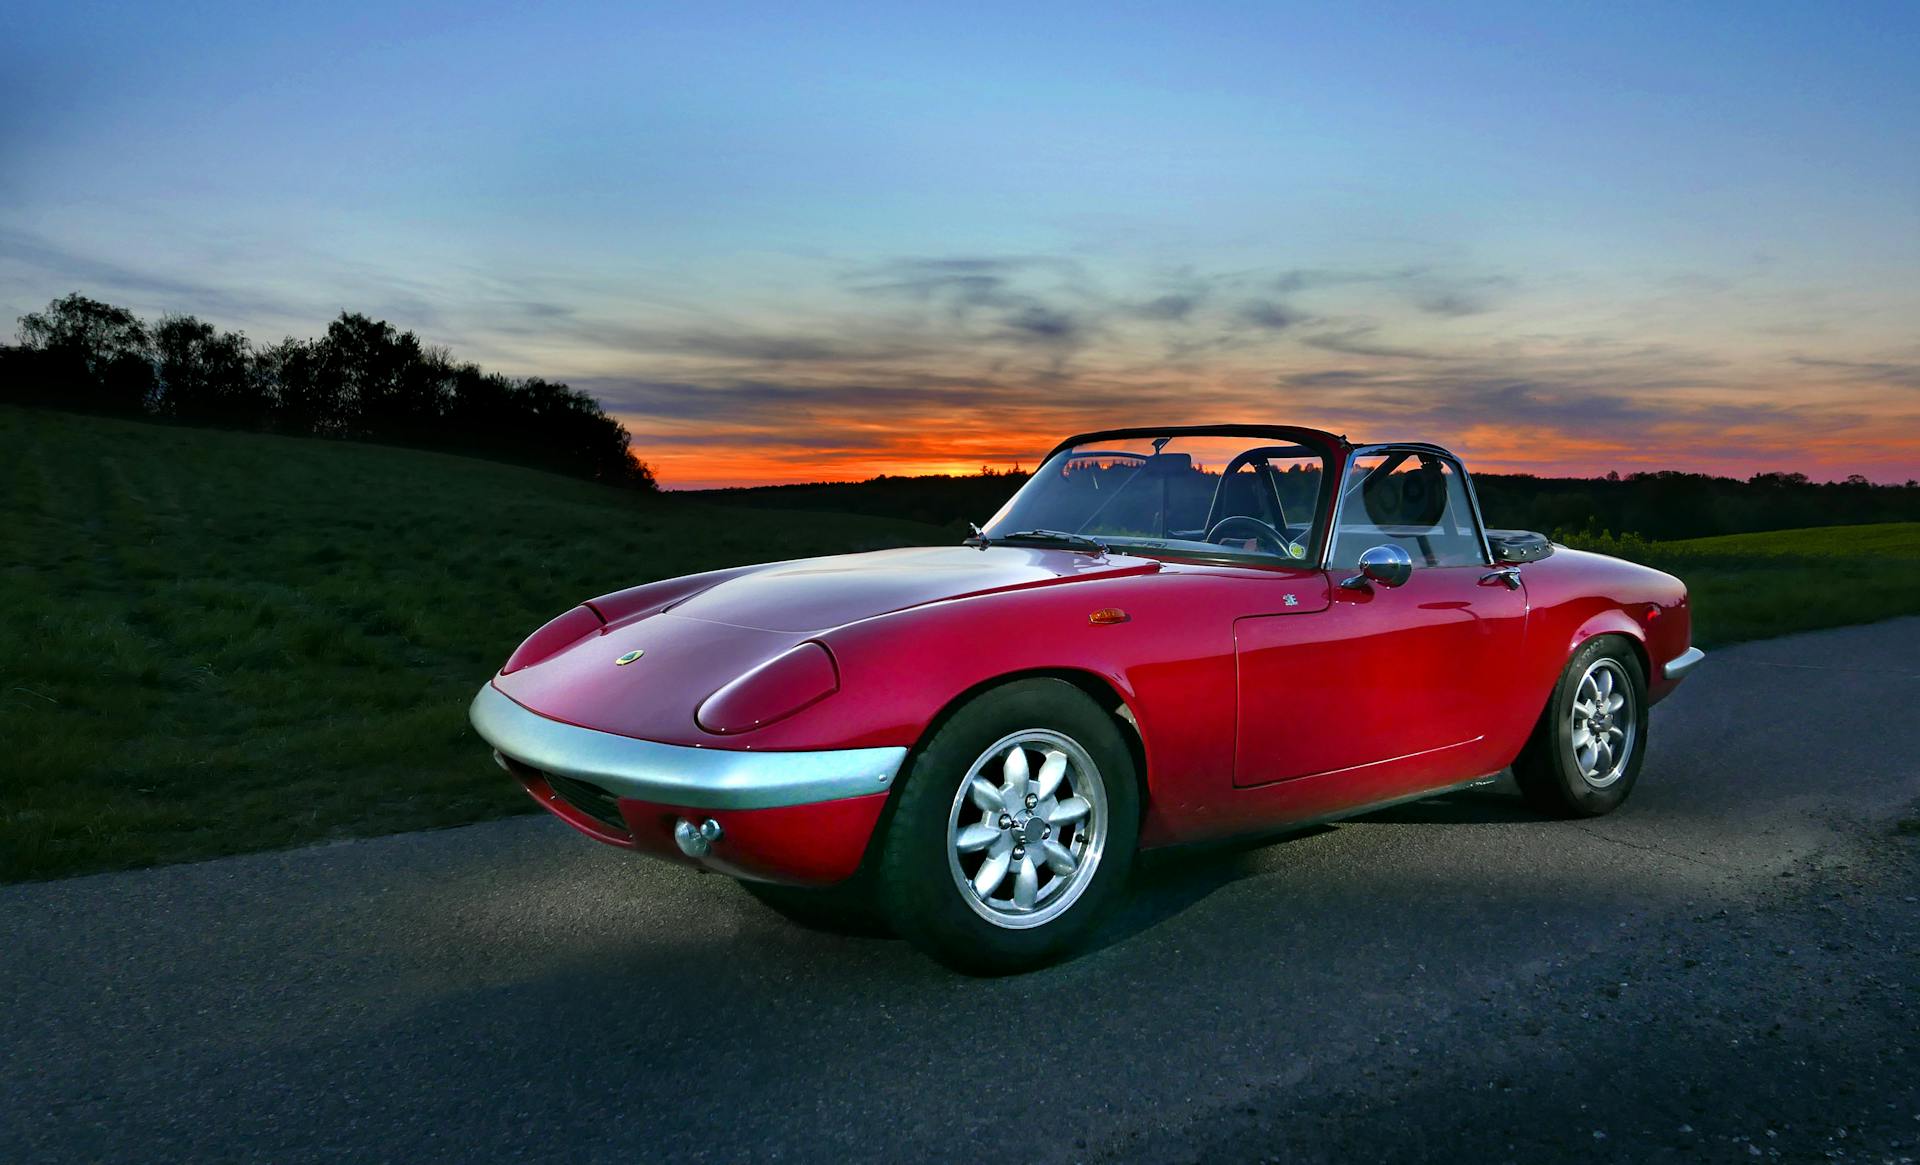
(1506, 574)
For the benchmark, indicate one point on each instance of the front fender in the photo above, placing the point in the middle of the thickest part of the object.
(651, 598)
(1170, 662)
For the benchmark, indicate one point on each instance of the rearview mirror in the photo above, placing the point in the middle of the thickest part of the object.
(1386, 564)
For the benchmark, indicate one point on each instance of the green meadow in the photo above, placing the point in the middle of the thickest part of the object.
(213, 642)
(1752, 586)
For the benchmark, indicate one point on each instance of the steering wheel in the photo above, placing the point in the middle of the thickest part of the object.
(1256, 529)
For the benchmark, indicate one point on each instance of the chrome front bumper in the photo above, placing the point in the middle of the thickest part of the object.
(674, 774)
(1681, 664)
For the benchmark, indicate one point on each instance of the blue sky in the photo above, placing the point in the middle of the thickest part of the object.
(823, 241)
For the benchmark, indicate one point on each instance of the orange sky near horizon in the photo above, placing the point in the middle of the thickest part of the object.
(689, 472)
(1881, 441)
(843, 372)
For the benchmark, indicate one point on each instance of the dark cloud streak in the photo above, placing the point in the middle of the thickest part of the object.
(1897, 373)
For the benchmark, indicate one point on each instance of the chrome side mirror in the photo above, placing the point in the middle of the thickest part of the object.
(1387, 564)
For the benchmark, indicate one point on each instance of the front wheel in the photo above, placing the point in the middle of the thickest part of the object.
(1015, 829)
(1585, 753)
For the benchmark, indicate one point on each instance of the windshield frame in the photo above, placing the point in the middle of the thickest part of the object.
(1415, 449)
(1330, 448)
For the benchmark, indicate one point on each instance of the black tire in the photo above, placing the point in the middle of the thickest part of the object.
(918, 888)
(1548, 769)
(849, 908)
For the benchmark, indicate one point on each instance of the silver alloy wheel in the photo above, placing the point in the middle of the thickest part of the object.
(1027, 828)
(1605, 727)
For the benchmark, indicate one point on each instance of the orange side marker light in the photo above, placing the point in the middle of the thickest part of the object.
(1106, 615)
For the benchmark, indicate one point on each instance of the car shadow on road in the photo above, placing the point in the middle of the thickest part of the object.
(1169, 882)
(1490, 806)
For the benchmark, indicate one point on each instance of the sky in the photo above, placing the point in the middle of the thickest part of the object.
(822, 241)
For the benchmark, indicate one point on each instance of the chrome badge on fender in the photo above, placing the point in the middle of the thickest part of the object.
(628, 658)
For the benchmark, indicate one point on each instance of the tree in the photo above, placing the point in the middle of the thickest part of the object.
(98, 331)
(97, 356)
(363, 378)
(301, 399)
(386, 384)
(206, 374)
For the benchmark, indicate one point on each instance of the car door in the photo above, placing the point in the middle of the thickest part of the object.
(1404, 678)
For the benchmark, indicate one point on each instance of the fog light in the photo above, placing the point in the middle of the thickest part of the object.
(696, 840)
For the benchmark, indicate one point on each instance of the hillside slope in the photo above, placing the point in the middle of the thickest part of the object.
(220, 641)
(1884, 540)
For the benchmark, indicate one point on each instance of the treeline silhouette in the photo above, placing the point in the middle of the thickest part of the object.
(362, 380)
(1660, 506)
(1667, 504)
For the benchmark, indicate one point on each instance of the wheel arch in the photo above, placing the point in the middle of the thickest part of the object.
(1611, 622)
(1540, 764)
(1614, 622)
(1099, 688)
(1104, 693)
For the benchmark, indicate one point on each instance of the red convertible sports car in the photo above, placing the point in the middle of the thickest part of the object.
(1167, 636)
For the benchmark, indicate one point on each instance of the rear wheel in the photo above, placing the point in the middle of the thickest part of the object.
(1015, 829)
(1584, 755)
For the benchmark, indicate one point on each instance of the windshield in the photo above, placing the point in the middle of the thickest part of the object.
(1180, 496)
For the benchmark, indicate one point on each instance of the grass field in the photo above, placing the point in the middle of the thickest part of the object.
(213, 642)
(1751, 586)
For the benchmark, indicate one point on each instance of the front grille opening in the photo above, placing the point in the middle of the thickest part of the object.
(584, 796)
(588, 798)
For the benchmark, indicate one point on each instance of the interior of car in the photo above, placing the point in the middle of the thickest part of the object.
(1409, 499)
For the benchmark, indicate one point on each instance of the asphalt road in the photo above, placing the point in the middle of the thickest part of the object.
(1722, 971)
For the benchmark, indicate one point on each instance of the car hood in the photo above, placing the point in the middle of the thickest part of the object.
(815, 594)
(691, 649)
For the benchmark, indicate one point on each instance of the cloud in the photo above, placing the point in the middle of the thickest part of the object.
(1311, 279)
(955, 360)
(1360, 340)
(1328, 378)
(1449, 303)
(850, 342)
(1429, 289)
(1637, 399)
(978, 280)
(753, 399)
(1897, 373)
(1270, 315)
(1039, 322)
(1446, 295)
(988, 298)
(759, 347)
(1171, 308)
(107, 279)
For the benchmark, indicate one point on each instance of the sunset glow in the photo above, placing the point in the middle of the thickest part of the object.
(790, 243)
